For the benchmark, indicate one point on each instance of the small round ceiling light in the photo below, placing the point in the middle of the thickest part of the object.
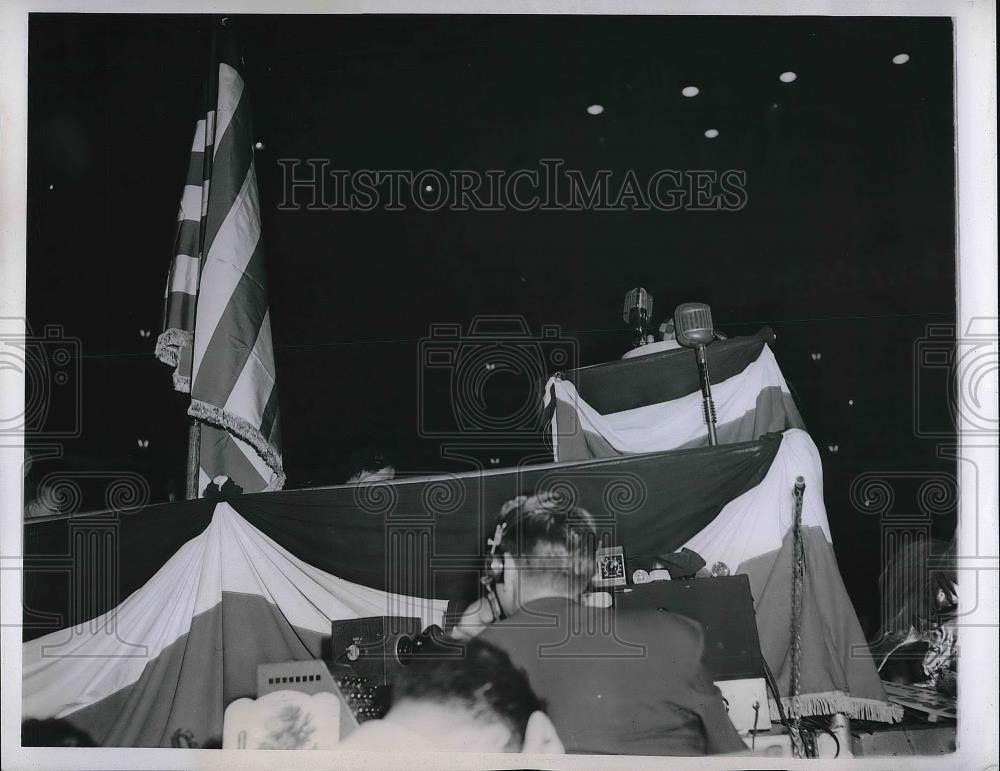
(690, 91)
(788, 77)
(900, 58)
(712, 133)
(595, 109)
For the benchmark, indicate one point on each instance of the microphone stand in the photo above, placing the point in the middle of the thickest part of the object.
(640, 327)
(693, 322)
(708, 406)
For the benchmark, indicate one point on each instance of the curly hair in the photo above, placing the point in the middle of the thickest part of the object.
(477, 677)
(550, 532)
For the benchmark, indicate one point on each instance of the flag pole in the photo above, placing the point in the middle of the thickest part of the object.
(193, 457)
(211, 103)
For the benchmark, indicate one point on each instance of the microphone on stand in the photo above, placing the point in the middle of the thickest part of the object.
(637, 313)
(693, 322)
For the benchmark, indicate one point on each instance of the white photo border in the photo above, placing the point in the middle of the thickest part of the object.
(976, 120)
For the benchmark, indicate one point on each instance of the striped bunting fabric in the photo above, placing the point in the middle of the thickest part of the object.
(173, 654)
(217, 326)
(644, 405)
(215, 590)
(653, 403)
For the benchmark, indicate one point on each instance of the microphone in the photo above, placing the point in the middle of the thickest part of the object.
(637, 312)
(693, 322)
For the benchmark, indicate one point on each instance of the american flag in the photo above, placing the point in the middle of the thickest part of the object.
(217, 327)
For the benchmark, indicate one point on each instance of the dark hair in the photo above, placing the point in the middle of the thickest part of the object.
(53, 732)
(368, 458)
(554, 529)
(479, 677)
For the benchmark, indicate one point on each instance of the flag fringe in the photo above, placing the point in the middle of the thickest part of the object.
(182, 383)
(246, 431)
(834, 702)
(168, 350)
(170, 343)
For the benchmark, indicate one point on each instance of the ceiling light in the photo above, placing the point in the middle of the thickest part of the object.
(712, 133)
(690, 91)
(900, 58)
(787, 77)
(595, 109)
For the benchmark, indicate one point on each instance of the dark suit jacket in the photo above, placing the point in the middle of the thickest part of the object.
(630, 684)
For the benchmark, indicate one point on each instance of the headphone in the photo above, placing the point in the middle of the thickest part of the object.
(492, 575)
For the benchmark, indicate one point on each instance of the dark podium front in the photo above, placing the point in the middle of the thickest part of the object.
(724, 608)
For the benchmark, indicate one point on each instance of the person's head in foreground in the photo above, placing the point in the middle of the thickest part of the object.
(53, 732)
(543, 546)
(467, 698)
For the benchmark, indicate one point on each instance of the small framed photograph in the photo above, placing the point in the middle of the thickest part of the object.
(610, 567)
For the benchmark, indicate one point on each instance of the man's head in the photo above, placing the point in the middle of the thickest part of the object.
(545, 546)
(368, 464)
(471, 697)
(53, 732)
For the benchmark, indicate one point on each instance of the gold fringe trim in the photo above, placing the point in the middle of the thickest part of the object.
(182, 383)
(246, 431)
(834, 702)
(169, 344)
(168, 350)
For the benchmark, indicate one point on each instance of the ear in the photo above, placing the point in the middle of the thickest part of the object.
(540, 737)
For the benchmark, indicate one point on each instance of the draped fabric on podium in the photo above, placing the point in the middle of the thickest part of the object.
(206, 594)
(654, 403)
(753, 535)
(174, 653)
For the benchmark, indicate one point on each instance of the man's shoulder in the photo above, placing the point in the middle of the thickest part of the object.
(542, 614)
(541, 622)
(544, 617)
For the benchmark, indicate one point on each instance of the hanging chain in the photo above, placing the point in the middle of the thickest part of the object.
(798, 573)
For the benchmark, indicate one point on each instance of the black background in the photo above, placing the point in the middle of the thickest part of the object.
(846, 246)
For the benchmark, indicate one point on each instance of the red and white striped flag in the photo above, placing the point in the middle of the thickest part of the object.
(217, 328)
